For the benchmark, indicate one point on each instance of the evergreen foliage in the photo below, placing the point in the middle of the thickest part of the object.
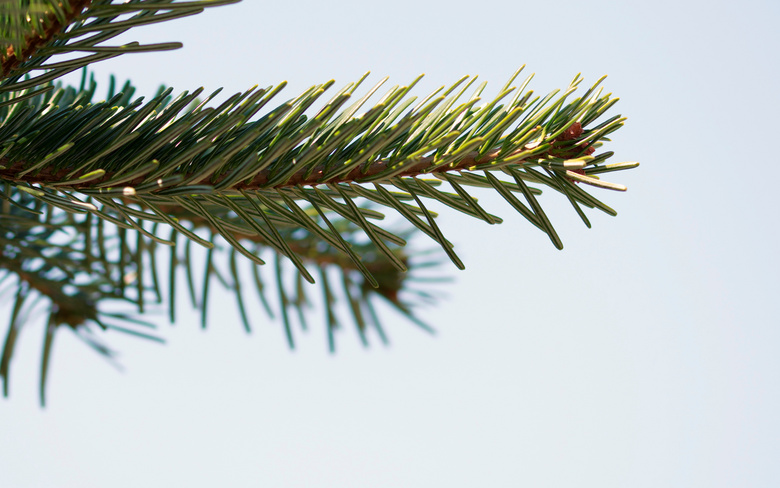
(91, 190)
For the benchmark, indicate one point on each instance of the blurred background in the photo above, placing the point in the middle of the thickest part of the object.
(644, 354)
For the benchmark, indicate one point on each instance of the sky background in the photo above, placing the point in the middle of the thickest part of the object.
(644, 354)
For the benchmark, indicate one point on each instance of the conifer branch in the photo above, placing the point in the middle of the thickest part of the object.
(90, 192)
(24, 44)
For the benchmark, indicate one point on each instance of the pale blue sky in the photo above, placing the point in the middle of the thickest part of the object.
(644, 354)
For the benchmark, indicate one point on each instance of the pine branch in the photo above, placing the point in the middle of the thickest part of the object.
(91, 190)
(195, 150)
(49, 20)
(33, 31)
(101, 262)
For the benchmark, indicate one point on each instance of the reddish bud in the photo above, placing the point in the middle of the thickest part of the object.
(574, 131)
